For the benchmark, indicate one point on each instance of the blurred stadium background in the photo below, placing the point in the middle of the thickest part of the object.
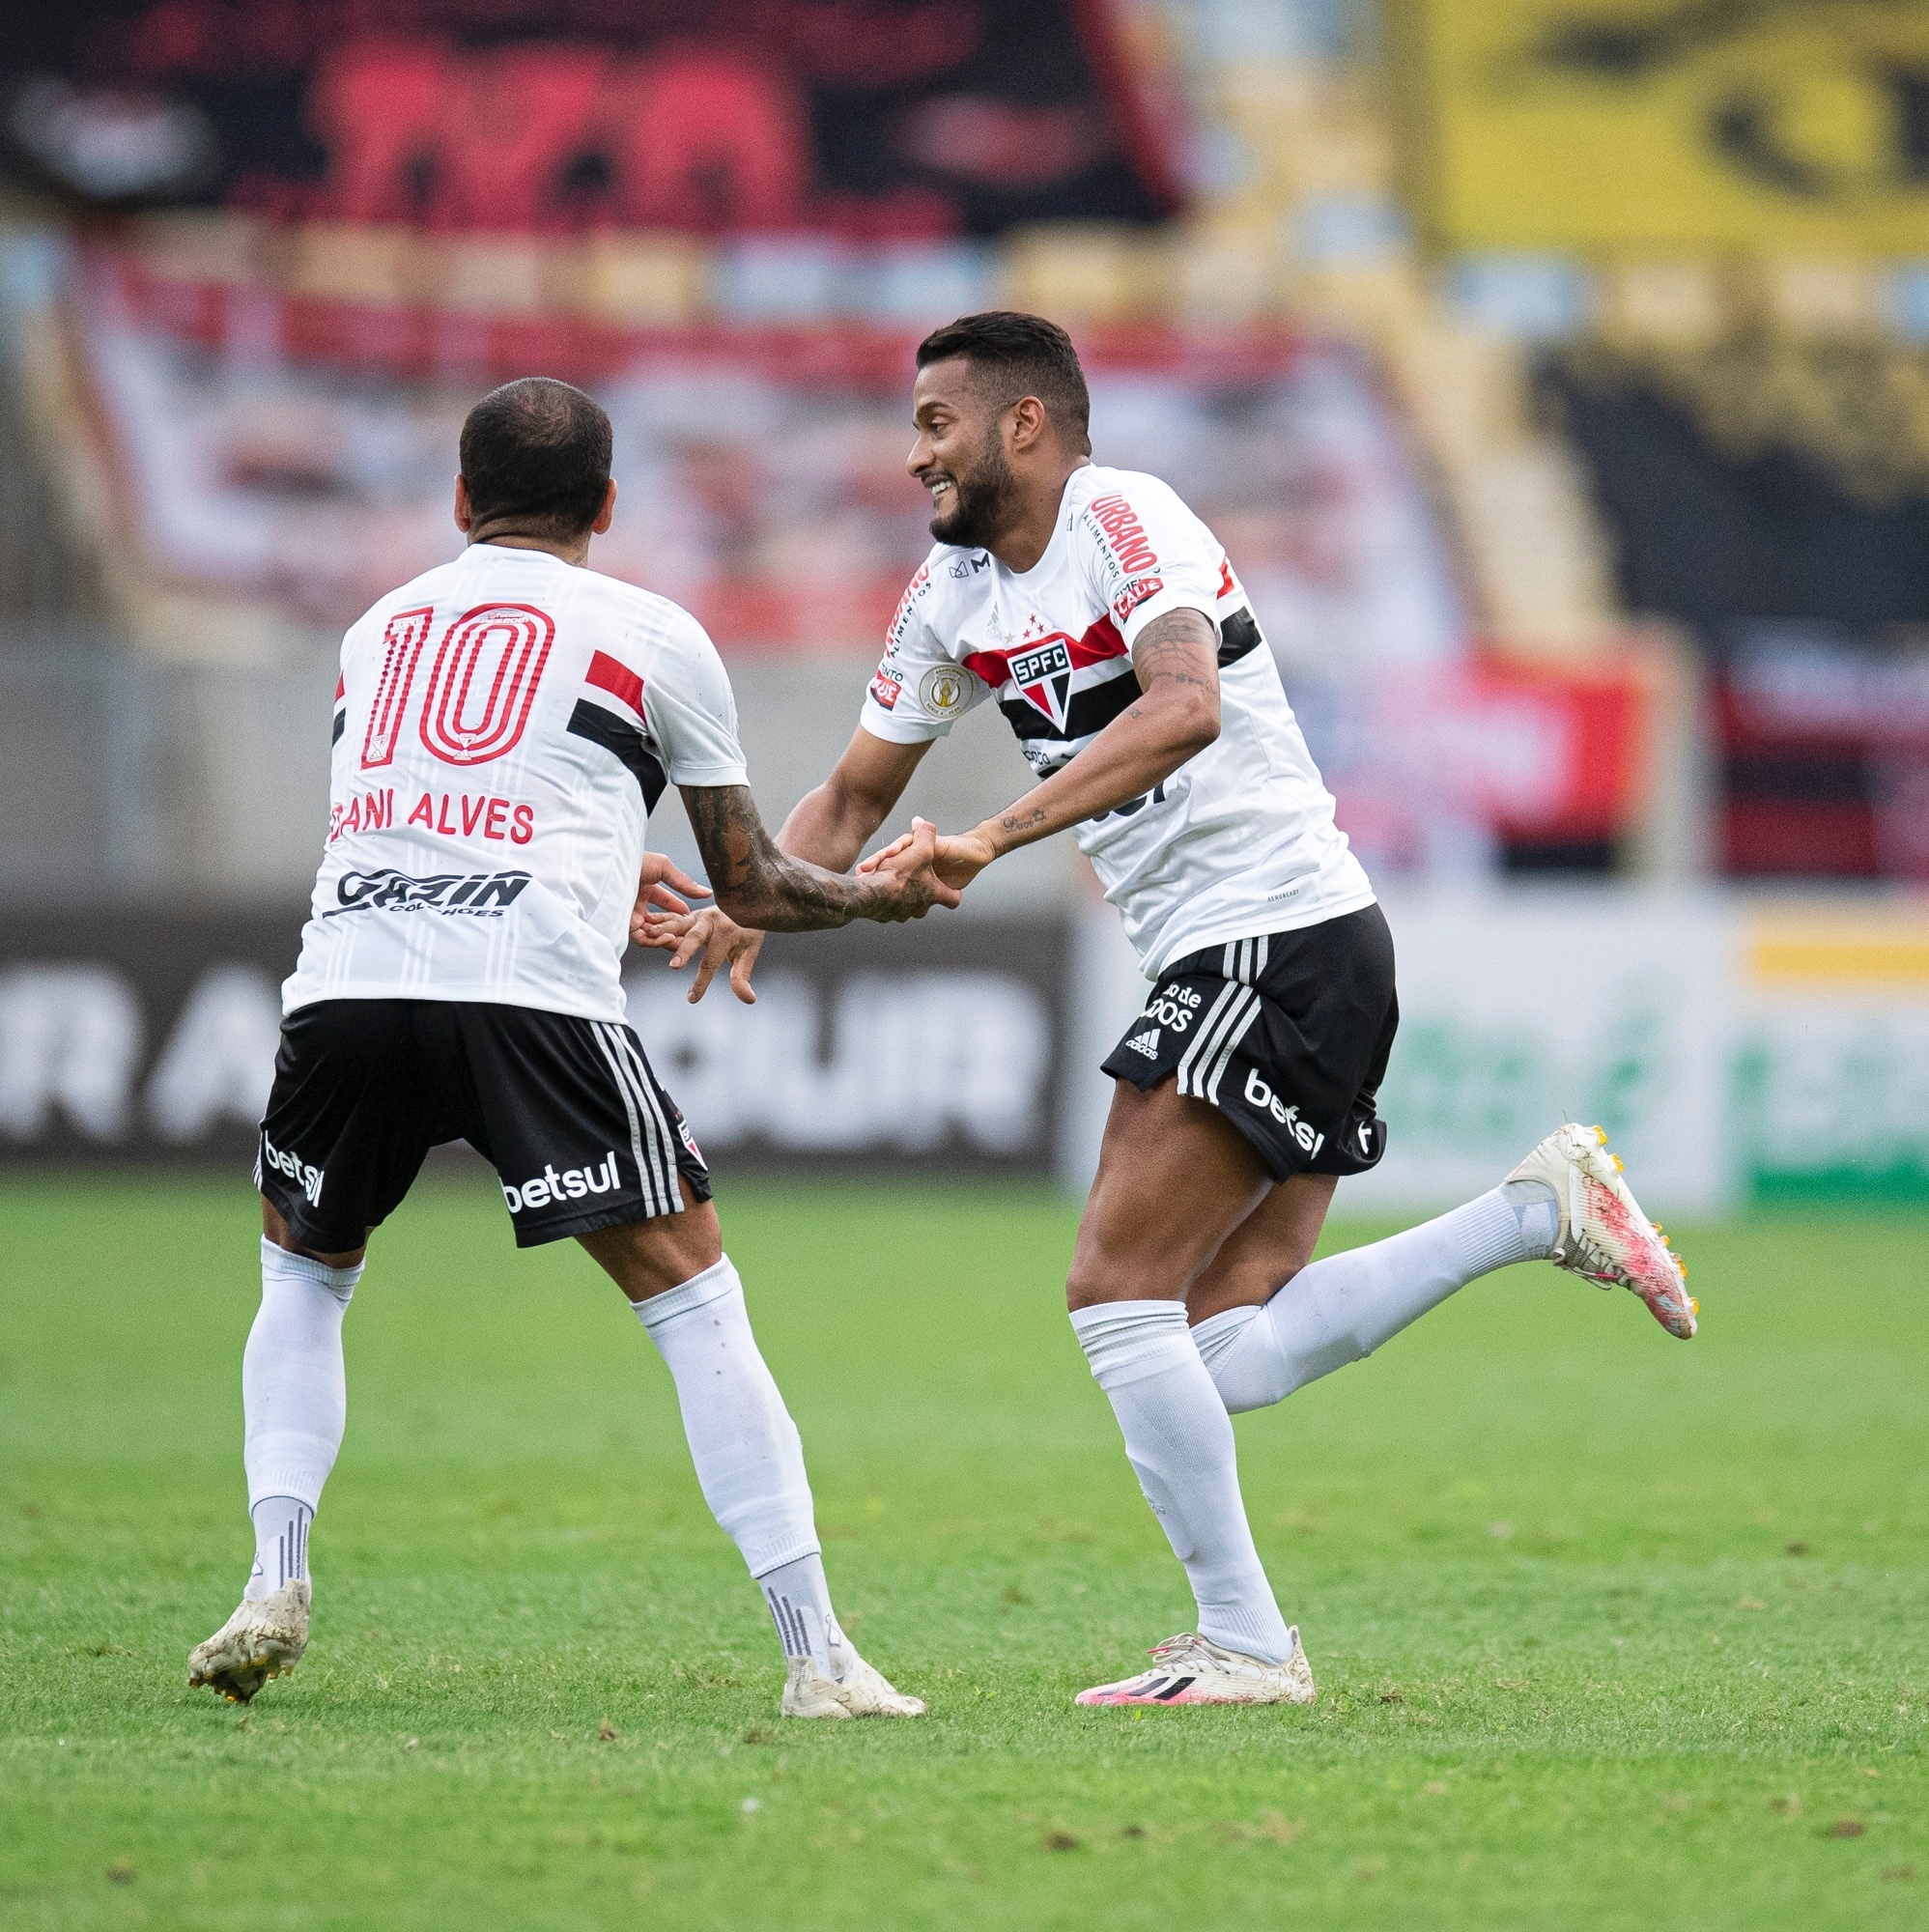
(1556, 372)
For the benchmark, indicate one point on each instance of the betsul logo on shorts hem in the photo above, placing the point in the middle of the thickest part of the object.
(1259, 1094)
(550, 1189)
(307, 1178)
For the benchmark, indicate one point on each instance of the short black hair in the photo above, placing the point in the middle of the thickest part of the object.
(536, 451)
(1023, 355)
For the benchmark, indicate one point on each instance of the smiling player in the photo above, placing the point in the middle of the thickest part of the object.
(1107, 622)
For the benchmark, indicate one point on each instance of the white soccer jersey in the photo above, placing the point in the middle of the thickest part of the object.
(1241, 840)
(503, 727)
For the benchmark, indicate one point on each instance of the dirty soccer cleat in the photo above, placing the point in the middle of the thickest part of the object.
(1604, 1234)
(809, 1692)
(1190, 1670)
(260, 1640)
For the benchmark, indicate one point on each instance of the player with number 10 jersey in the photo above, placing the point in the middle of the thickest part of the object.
(487, 811)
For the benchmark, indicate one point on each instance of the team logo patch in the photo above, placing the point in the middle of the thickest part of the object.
(943, 689)
(1042, 677)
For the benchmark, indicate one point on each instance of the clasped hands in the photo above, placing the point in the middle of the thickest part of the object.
(666, 923)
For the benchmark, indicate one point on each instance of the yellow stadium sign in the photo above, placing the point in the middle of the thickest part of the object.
(1641, 123)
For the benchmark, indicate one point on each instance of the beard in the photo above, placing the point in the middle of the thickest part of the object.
(982, 500)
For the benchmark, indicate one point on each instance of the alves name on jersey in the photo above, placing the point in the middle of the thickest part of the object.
(504, 726)
(1241, 840)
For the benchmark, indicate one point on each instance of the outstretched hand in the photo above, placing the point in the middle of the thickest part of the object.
(707, 935)
(655, 879)
(956, 857)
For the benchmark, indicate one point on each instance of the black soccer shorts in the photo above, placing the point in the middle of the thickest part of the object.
(567, 1111)
(1286, 1035)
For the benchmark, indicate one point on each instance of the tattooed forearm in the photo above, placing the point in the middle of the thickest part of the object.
(757, 885)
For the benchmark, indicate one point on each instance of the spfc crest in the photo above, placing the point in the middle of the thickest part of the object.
(1043, 677)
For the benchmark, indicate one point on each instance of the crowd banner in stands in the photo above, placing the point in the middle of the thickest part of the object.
(1825, 754)
(868, 117)
(1735, 1050)
(143, 1035)
(1759, 476)
(1669, 123)
(293, 455)
(1437, 767)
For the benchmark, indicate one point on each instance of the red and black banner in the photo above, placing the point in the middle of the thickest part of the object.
(881, 119)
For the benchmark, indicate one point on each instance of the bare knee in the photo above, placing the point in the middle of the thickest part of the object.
(277, 1231)
(649, 1258)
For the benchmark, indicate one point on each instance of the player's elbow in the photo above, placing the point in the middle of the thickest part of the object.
(1195, 723)
(857, 809)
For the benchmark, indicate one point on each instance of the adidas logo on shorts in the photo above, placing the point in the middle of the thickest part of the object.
(1146, 1042)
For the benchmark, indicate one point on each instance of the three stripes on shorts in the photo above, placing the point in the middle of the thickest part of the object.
(652, 1141)
(1228, 1021)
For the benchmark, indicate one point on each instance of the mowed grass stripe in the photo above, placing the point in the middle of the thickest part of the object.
(1610, 1631)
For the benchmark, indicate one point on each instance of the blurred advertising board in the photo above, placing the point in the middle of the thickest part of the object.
(1735, 1050)
(1832, 1068)
(879, 117)
(1604, 124)
(277, 460)
(146, 1035)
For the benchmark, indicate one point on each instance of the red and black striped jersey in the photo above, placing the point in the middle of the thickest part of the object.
(503, 727)
(1241, 840)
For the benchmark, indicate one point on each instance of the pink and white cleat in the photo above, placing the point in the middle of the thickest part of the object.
(1190, 1670)
(1604, 1234)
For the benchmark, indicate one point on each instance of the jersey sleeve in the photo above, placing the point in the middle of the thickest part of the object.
(1145, 553)
(920, 690)
(692, 709)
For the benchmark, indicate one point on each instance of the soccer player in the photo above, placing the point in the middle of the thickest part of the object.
(1107, 622)
(503, 727)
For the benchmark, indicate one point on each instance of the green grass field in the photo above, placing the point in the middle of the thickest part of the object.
(1609, 1631)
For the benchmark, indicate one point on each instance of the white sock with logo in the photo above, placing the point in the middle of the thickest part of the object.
(295, 1403)
(748, 1457)
(1179, 1440)
(1337, 1309)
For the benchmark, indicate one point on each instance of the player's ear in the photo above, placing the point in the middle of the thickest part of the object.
(465, 510)
(1026, 424)
(608, 512)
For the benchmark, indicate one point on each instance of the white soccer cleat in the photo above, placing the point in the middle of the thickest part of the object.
(260, 1640)
(1190, 1670)
(1603, 1235)
(860, 1693)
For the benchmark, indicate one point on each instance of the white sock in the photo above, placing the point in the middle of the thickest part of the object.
(800, 1605)
(294, 1400)
(1337, 1309)
(749, 1462)
(280, 1545)
(1179, 1440)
